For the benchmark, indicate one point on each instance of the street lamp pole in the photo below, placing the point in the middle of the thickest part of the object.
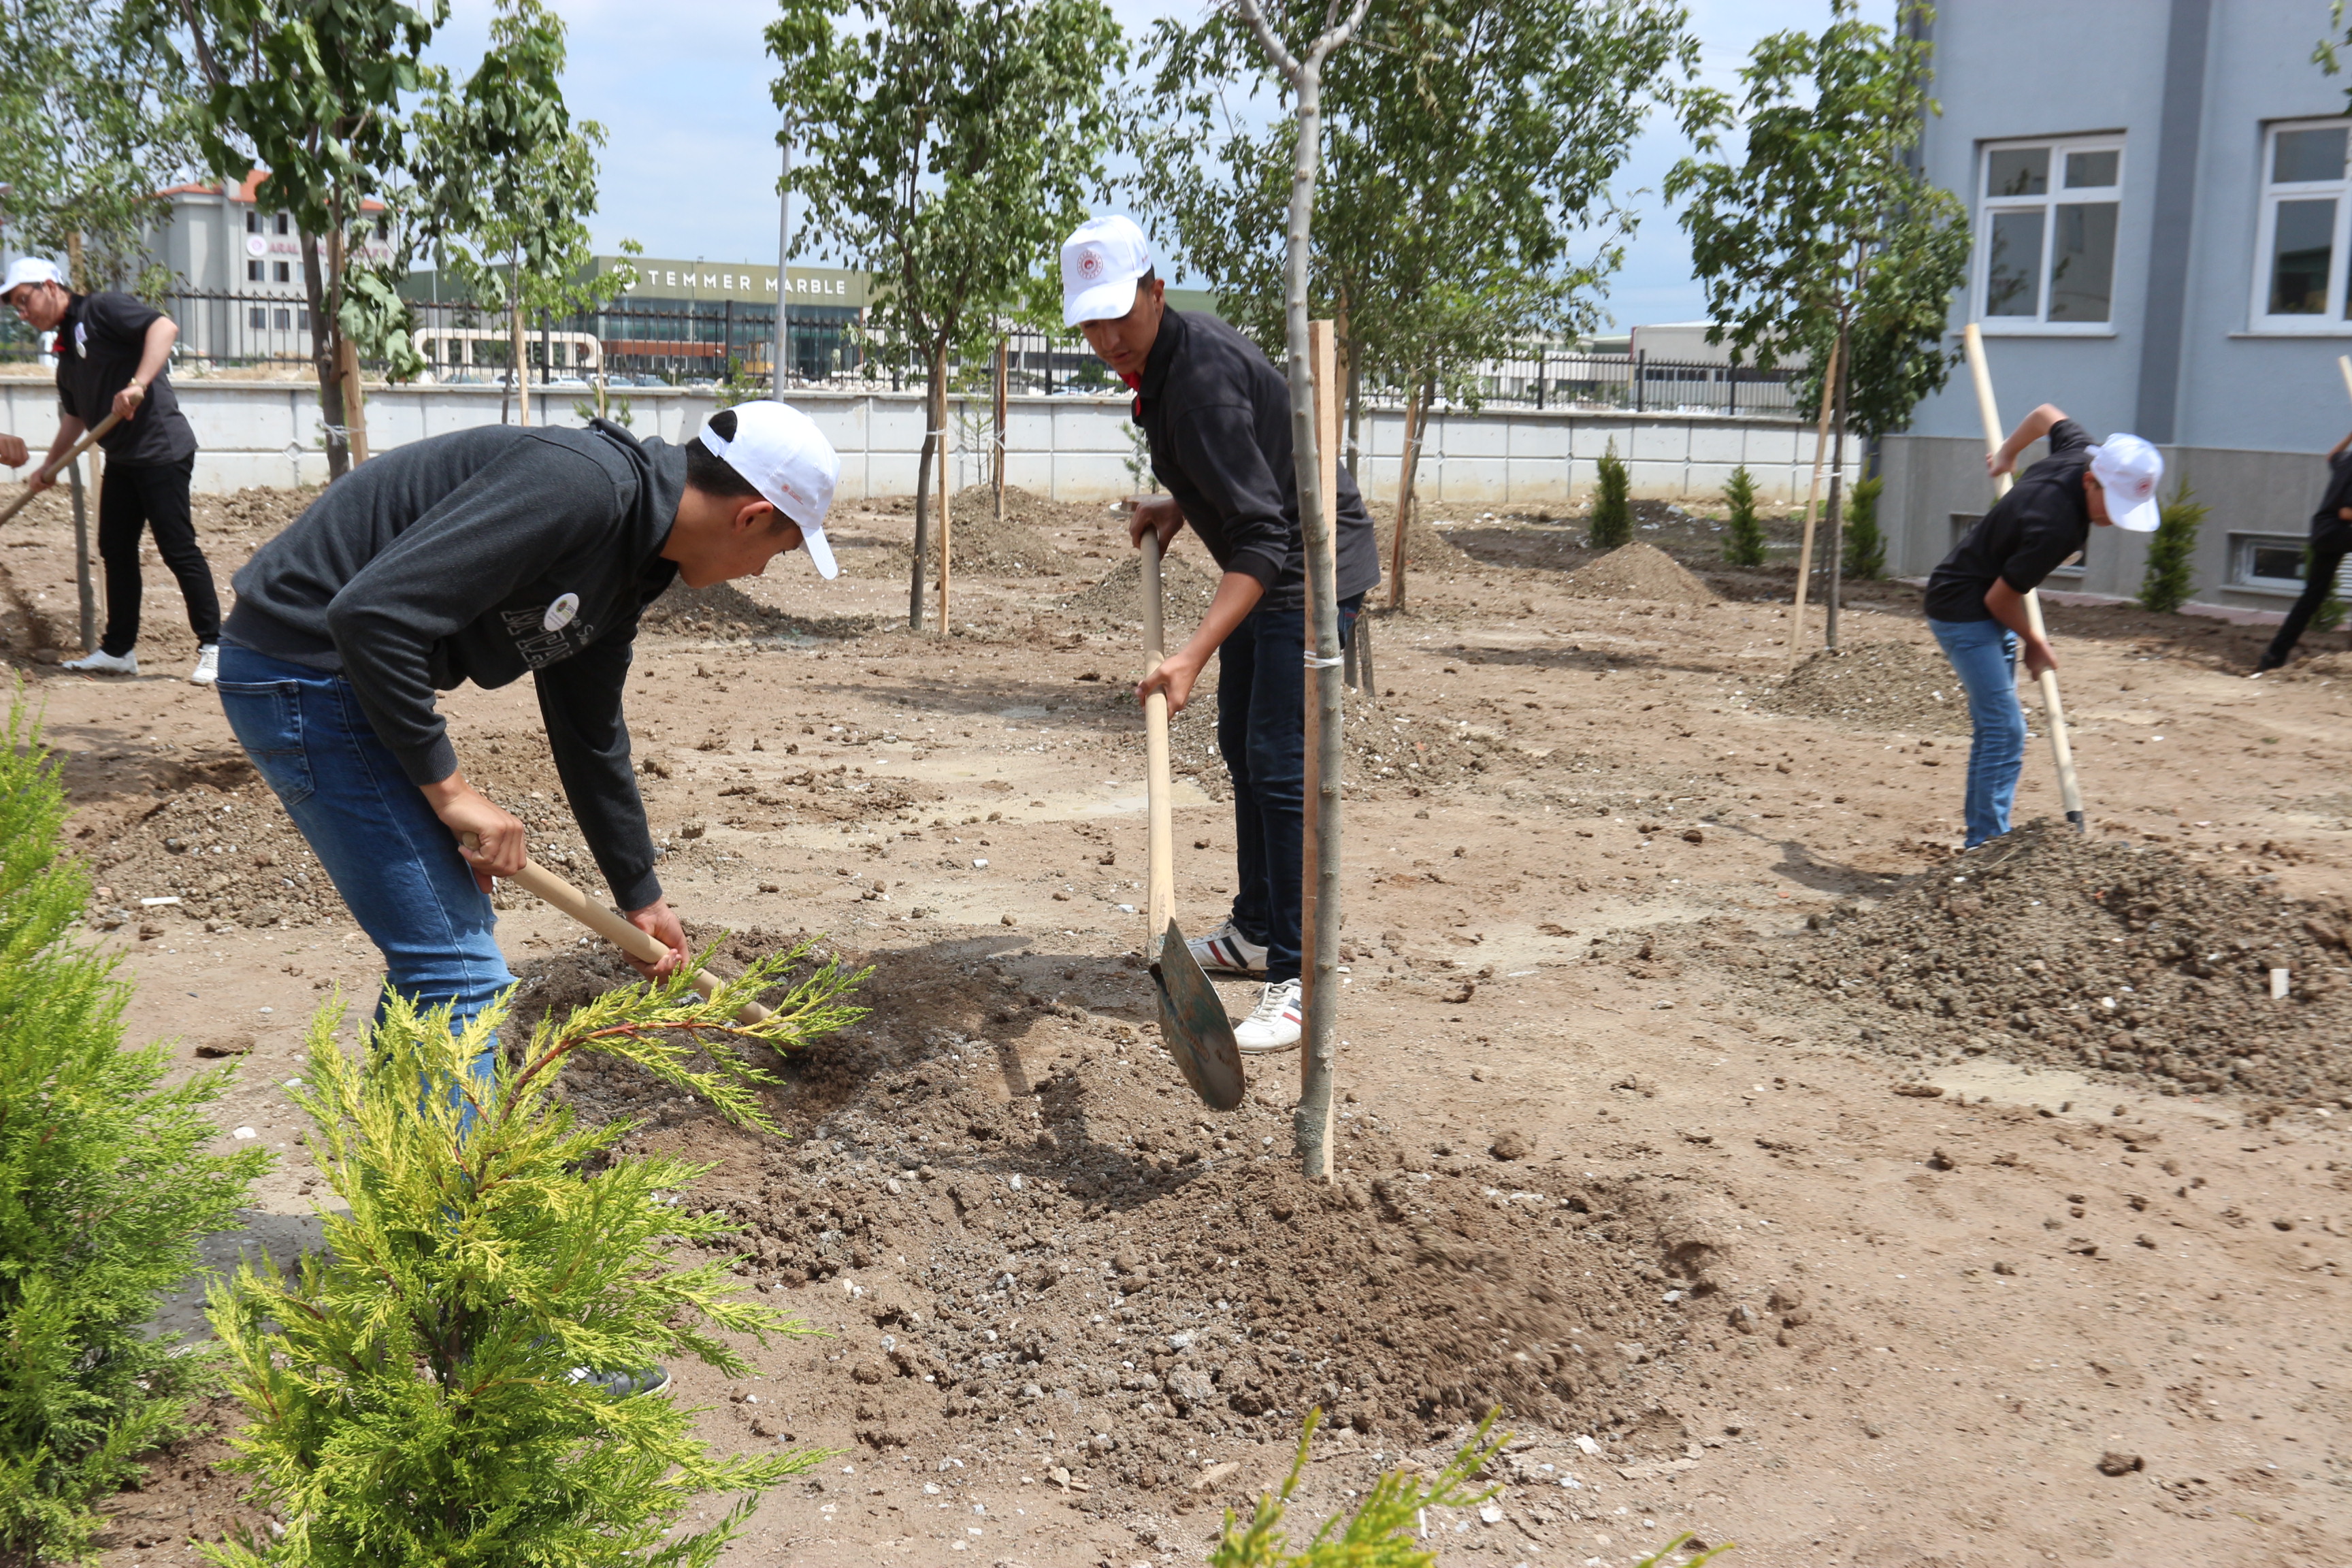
(784, 257)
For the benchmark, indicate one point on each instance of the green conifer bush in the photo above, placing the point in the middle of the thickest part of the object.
(1865, 546)
(105, 1189)
(1743, 542)
(412, 1391)
(2172, 552)
(1612, 513)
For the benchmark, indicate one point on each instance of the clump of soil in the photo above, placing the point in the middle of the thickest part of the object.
(1639, 571)
(263, 508)
(1012, 548)
(1059, 1257)
(2048, 946)
(1426, 548)
(1185, 591)
(220, 844)
(1388, 746)
(724, 613)
(1881, 686)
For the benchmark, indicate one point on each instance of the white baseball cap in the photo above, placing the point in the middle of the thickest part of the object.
(2128, 470)
(30, 269)
(1100, 264)
(788, 461)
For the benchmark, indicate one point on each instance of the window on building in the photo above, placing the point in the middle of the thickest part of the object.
(2046, 235)
(257, 318)
(282, 319)
(252, 221)
(284, 223)
(2299, 275)
(253, 271)
(285, 271)
(2273, 561)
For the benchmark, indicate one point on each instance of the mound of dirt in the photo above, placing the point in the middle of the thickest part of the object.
(221, 845)
(1879, 685)
(1639, 571)
(1060, 1258)
(724, 613)
(2048, 946)
(1185, 591)
(1426, 549)
(1012, 548)
(264, 509)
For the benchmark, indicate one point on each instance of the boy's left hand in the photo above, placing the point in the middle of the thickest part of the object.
(659, 921)
(1175, 676)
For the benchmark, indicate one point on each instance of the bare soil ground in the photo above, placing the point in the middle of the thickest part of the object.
(1789, 1178)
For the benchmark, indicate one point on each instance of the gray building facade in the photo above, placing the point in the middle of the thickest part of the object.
(2161, 208)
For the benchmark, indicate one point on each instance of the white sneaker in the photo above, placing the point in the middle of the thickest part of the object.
(97, 661)
(207, 668)
(1274, 1025)
(1226, 950)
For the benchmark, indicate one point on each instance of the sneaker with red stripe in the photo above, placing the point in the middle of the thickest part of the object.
(1274, 1024)
(1226, 950)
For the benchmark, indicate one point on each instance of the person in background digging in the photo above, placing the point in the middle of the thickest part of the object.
(1976, 599)
(114, 354)
(1217, 415)
(2331, 540)
(485, 555)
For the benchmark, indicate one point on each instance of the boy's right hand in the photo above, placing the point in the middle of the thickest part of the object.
(1160, 515)
(498, 846)
(2039, 657)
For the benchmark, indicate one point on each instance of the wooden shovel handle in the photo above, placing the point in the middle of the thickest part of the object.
(1159, 882)
(89, 439)
(545, 885)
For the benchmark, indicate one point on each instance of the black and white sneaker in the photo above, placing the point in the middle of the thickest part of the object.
(1274, 1024)
(1226, 950)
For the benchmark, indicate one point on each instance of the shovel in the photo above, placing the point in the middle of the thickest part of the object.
(89, 440)
(536, 879)
(1193, 1022)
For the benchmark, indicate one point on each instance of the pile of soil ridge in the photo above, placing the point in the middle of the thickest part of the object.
(1639, 571)
(1876, 685)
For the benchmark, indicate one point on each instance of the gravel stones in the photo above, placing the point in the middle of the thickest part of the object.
(1884, 687)
(2046, 946)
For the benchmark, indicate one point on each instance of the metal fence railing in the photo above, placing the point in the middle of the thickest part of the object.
(680, 343)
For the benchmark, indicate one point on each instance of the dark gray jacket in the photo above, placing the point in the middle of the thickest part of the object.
(481, 556)
(1217, 414)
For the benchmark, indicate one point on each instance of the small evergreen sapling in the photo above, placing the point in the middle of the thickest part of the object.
(1612, 513)
(1865, 546)
(2172, 553)
(412, 1387)
(1744, 543)
(105, 1189)
(2330, 614)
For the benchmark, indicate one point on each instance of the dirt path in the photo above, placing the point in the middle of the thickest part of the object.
(1634, 1144)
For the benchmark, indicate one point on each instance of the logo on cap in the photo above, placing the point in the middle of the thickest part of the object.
(1090, 264)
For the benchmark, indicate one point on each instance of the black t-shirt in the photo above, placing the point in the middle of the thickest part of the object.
(2329, 530)
(99, 344)
(1217, 415)
(2028, 534)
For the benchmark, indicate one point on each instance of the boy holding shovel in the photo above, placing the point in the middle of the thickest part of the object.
(1217, 415)
(1976, 599)
(482, 556)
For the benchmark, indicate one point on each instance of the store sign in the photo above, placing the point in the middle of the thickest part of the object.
(668, 280)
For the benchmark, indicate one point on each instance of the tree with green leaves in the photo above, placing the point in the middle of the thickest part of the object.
(311, 91)
(2171, 570)
(1611, 522)
(505, 181)
(1744, 545)
(946, 149)
(411, 1389)
(1823, 231)
(1467, 147)
(106, 1186)
(97, 116)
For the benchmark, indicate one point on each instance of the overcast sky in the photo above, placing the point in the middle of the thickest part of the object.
(690, 168)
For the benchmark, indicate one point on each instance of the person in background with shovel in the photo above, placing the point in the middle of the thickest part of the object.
(114, 354)
(1976, 599)
(1217, 415)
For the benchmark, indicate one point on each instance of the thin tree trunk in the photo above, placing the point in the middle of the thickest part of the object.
(933, 433)
(1416, 420)
(996, 475)
(325, 341)
(74, 279)
(1351, 379)
(946, 511)
(522, 350)
(347, 359)
(1837, 479)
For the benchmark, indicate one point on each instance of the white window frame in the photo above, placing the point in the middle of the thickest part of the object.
(2241, 557)
(2331, 322)
(2039, 325)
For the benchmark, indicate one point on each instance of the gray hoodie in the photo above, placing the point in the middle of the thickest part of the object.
(480, 556)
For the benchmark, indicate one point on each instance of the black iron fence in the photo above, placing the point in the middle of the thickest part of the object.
(711, 343)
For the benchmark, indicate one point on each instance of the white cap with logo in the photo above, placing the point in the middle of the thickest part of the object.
(1100, 264)
(782, 454)
(2128, 470)
(30, 269)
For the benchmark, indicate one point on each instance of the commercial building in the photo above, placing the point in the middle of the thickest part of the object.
(2161, 209)
(238, 262)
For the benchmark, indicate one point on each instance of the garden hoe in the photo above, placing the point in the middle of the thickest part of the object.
(84, 445)
(1193, 1022)
(546, 885)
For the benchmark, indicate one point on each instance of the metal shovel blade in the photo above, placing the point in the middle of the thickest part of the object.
(1193, 1025)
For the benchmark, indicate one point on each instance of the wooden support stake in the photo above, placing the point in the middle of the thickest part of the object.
(1805, 555)
(83, 586)
(1319, 904)
(354, 401)
(2062, 750)
(996, 476)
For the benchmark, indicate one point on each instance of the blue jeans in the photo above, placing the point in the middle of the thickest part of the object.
(1262, 733)
(1984, 654)
(395, 863)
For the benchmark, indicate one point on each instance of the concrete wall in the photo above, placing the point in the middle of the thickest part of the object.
(1931, 480)
(1076, 448)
